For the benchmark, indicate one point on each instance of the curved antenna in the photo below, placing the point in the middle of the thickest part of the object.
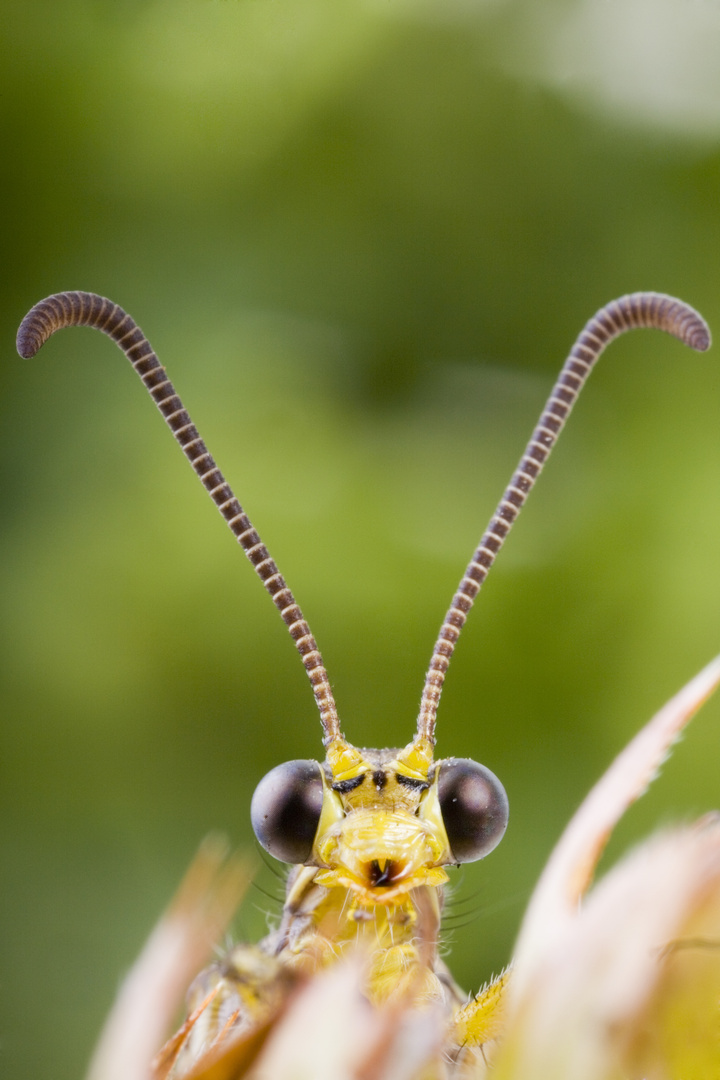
(643, 309)
(87, 309)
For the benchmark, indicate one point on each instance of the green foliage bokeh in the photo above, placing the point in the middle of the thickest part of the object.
(362, 235)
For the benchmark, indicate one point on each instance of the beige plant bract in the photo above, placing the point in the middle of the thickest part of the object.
(625, 985)
(180, 944)
(568, 872)
(633, 989)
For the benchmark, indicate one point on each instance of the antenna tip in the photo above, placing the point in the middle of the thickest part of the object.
(28, 339)
(697, 334)
(692, 329)
(663, 312)
(34, 330)
(700, 337)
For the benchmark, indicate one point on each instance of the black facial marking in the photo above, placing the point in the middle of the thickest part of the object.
(343, 786)
(381, 877)
(379, 779)
(411, 782)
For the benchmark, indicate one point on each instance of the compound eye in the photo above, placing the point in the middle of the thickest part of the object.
(474, 808)
(285, 810)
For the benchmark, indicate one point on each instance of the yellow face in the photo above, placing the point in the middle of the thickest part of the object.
(379, 823)
(381, 832)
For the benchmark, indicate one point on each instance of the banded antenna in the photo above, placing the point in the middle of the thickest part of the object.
(87, 309)
(628, 313)
(642, 309)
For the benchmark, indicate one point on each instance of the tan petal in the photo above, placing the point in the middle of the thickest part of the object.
(633, 988)
(331, 1032)
(180, 944)
(569, 870)
(679, 1033)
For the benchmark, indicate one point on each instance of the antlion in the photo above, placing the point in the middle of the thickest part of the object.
(369, 832)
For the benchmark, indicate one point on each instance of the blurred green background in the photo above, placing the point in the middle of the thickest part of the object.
(363, 236)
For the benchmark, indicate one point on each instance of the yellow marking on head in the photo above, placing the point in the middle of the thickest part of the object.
(344, 760)
(417, 757)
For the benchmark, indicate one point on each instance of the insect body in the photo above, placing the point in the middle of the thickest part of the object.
(369, 832)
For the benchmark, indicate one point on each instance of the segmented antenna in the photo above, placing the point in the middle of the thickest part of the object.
(87, 309)
(644, 309)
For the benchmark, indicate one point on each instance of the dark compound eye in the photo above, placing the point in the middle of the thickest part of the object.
(474, 808)
(285, 810)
